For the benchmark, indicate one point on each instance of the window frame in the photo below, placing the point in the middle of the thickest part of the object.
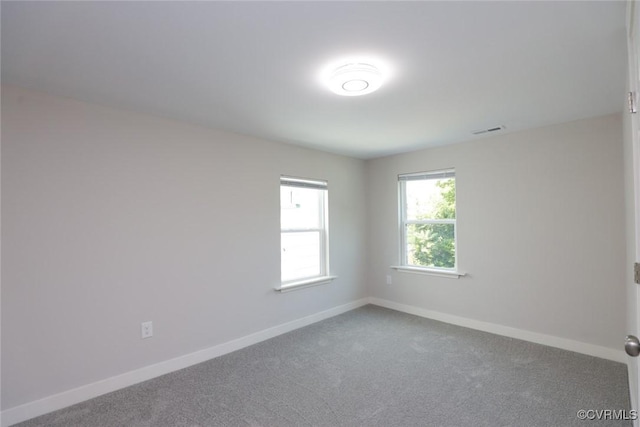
(323, 232)
(403, 222)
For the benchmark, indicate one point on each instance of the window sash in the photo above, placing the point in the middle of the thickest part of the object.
(321, 229)
(316, 261)
(430, 221)
(404, 222)
(404, 256)
(301, 230)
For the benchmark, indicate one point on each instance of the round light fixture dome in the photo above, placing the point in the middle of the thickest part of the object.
(355, 79)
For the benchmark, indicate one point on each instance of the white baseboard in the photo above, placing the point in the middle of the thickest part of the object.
(549, 340)
(71, 397)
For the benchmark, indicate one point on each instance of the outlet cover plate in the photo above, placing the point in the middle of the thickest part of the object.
(147, 329)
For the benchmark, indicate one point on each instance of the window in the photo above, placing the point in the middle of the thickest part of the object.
(303, 227)
(428, 220)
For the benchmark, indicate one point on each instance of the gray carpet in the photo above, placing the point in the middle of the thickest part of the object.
(369, 367)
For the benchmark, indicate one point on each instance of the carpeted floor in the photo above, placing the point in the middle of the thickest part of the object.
(370, 367)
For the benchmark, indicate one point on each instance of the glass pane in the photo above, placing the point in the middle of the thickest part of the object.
(299, 207)
(431, 245)
(300, 255)
(431, 199)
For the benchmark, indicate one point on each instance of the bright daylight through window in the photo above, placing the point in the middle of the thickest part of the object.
(303, 223)
(428, 219)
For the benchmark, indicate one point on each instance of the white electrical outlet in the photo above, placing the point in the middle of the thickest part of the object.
(389, 279)
(147, 329)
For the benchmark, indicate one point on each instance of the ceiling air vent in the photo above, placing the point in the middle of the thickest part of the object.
(493, 129)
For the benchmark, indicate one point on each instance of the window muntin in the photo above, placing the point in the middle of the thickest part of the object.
(428, 219)
(303, 226)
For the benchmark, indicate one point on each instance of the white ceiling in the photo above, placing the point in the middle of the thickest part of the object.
(252, 67)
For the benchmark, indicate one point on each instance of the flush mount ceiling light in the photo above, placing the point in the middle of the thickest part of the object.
(355, 79)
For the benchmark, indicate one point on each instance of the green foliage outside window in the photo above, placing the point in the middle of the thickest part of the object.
(433, 245)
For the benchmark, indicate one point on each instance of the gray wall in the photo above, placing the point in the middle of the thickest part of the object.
(112, 218)
(540, 231)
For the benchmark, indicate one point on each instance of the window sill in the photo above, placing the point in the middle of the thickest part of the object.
(450, 274)
(315, 281)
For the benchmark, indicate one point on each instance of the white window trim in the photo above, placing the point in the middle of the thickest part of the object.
(449, 274)
(306, 283)
(324, 276)
(402, 222)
